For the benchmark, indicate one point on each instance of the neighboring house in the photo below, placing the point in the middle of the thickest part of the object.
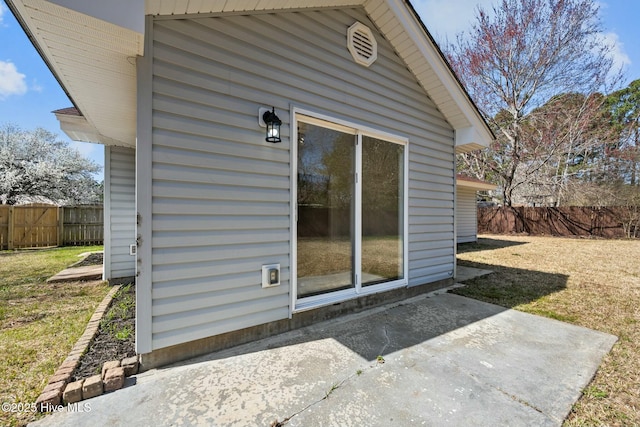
(467, 207)
(238, 238)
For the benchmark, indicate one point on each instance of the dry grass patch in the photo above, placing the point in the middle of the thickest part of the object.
(39, 322)
(592, 283)
(319, 256)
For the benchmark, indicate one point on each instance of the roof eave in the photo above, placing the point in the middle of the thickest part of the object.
(111, 110)
(482, 133)
(78, 128)
(34, 42)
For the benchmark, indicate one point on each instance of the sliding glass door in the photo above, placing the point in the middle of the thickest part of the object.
(382, 211)
(326, 163)
(350, 229)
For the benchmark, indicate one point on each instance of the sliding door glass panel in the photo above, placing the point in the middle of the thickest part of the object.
(382, 211)
(326, 164)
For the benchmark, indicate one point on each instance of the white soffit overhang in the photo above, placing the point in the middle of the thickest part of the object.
(95, 62)
(474, 184)
(92, 50)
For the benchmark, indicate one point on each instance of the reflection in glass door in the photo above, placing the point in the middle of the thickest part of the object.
(382, 211)
(326, 222)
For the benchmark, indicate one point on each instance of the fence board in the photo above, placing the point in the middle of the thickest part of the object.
(608, 222)
(4, 226)
(33, 226)
(82, 226)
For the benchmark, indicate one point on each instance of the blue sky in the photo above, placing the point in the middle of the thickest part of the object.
(28, 91)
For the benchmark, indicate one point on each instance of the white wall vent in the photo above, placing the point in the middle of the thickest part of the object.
(362, 44)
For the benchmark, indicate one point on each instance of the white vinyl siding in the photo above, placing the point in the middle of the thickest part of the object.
(466, 215)
(120, 212)
(221, 195)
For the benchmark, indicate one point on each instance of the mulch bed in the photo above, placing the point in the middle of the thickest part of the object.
(106, 346)
(91, 259)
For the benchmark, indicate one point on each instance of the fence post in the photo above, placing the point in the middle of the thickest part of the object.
(61, 226)
(10, 232)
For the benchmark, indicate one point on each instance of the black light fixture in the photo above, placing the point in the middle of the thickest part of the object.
(273, 122)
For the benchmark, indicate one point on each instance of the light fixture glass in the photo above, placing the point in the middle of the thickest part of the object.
(273, 123)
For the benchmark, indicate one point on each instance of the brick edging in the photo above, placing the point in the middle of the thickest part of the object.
(52, 393)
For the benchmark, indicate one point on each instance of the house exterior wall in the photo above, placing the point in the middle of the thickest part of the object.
(466, 215)
(221, 196)
(119, 212)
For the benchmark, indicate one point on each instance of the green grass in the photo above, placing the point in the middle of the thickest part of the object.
(39, 322)
(591, 283)
(121, 309)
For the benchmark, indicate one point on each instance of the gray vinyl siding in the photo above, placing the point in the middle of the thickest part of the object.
(221, 194)
(466, 215)
(120, 172)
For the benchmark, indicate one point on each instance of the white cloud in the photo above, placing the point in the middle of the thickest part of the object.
(620, 58)
(446, 18)
(12, 82)
(35, 86)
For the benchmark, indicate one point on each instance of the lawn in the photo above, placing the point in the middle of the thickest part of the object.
(39, 322)
(381, 255)
(591, 283)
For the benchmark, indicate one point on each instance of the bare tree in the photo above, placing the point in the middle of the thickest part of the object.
(515, 60)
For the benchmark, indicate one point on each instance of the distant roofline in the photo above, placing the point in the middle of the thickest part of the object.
(69, 111)
(468, 181)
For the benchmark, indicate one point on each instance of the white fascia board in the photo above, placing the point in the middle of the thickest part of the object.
(416, 33)
(123, 13)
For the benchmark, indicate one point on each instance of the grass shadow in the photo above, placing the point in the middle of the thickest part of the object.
(486, 243)
(511, 287)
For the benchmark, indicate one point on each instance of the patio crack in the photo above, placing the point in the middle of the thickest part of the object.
(506, 393)
(328, 393)
(521, 401)
(379, 360)
(387, 339)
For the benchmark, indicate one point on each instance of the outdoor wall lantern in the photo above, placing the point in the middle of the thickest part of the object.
(272, 122)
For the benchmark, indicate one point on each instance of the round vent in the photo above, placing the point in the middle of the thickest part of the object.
(362, 45)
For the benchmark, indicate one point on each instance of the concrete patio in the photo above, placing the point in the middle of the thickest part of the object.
(435, 360)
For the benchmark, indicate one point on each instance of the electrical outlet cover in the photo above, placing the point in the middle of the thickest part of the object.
(267, 275)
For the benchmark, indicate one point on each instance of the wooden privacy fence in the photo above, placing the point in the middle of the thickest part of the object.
(608, 222)
(37, 226)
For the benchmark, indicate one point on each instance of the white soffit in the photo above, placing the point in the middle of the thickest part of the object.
(94, 60)
(78, 128)
(180, 7)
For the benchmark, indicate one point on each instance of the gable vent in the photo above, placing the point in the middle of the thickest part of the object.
(362, 45)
